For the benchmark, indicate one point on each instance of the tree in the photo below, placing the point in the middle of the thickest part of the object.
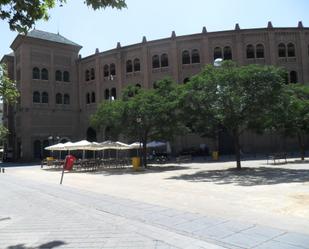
(290, 116)
(8, 90)
(109, 115)
(8, 94)
(231, 98)
(21, 15)
(143, 114)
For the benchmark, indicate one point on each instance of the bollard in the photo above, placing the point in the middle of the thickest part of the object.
(3, 170)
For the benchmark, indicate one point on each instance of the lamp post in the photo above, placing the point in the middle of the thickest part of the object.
(215, 154)
(139, 122)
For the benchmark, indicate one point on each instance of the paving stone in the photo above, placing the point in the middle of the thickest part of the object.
(263, 231)
(277, 245)
(296, 239)
(44, 213)
(244, 240)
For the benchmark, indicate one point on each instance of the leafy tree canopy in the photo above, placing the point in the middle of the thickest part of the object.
(22, 14)
(8, 90)
(290, 115)
(230, 97)
(8, 94)
(143, 114)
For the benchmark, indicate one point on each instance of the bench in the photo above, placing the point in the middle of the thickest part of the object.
(183, 158)
(277, 157)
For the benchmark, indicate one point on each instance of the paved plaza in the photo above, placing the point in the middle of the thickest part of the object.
(197, 205)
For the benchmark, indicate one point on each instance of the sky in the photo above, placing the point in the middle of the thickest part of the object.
(157, 19)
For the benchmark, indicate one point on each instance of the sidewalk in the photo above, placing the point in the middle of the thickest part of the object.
(35, 215)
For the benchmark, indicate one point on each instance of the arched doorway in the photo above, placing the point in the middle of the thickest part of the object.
(91, 135)
(37, 149)
(46, 153)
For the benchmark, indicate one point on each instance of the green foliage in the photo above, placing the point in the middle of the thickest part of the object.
(8, 90)
(290, 116)
(231, 98)
(155, 109)
(109, 115)
(3, 132)
(21, 15)
(142, 114)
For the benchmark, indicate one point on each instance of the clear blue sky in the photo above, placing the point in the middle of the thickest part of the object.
(157, 19)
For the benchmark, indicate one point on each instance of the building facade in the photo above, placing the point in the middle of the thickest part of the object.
(60, 90)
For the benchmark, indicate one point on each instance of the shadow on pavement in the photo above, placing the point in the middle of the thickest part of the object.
(149, 169)
(48, 245)
(248, 176)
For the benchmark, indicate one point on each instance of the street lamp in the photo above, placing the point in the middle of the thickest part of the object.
(139, 122)
(218, 62)
(215, 154)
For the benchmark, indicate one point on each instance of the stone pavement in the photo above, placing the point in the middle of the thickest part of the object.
(34, 215)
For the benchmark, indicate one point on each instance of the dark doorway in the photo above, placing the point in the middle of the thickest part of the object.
(46, 153)
(226, 144)
(91, 135)
(37, 149)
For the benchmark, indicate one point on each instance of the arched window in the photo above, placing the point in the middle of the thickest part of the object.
(217, 53)
(186, 80)
(92, 74)
(106, 70)
(250, 52)
(106, 94)
(114, 92)
(155, 61)
(44, 74)
(58, 98)
(293, 77)
(227, 53)
(91, 135)
(35, 73)
(112, 69)
(66, 76)
(93, 97)
(36, 97)
(195, 56)
(88, 98)
(129, 66)
(137, 65)
(259, 51)
(281, 50)
(185, 57)
(291, 50)
(45, 97)
(37, 149)
(58, 75)
(164, 60)
(87, 75)
(66, 99)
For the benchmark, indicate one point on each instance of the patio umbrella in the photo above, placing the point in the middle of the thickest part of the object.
(122, 146)
(137, 146)
(80, 145)
(155, 144)
(57, 147)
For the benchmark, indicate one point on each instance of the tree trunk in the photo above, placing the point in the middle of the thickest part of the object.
(301, 146)
(237, 148)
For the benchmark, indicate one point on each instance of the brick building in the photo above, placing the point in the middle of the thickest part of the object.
(60, 90)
